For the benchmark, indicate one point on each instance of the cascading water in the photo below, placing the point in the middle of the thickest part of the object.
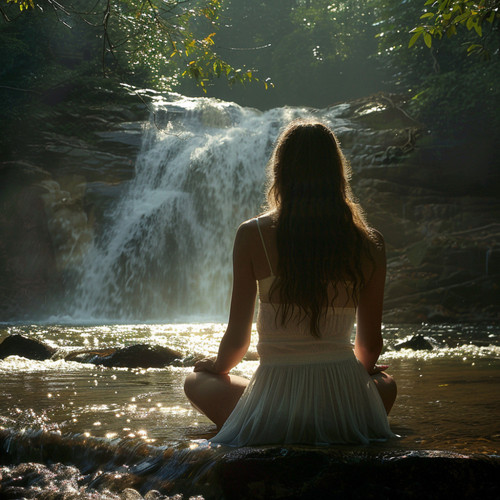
(200, 173)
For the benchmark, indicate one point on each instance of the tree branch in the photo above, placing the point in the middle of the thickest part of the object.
(4, 15)
(20, 90)
(105, 37)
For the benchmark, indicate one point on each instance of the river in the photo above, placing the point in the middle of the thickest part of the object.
(110, 423)
(448, 396)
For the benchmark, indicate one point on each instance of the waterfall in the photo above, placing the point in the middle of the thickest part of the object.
(199, 174)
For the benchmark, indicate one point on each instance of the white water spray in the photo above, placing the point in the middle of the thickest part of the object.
(200, 173)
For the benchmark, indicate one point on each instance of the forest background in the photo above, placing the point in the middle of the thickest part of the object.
(441, 58)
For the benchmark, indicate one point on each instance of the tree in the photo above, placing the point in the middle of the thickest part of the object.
(315, 52)
(452, 94)
(444, 17)
(167, 39)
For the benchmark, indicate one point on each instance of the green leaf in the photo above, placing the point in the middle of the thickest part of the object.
(452, 30)
(474, 47)
(462, 17)
(420, 94)
(428, 40)
(414, 38)
(427, 14)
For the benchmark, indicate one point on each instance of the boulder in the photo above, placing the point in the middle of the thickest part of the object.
(417, 343)
(94, 356)
(18, 345)
(134, 356)
(332, 473)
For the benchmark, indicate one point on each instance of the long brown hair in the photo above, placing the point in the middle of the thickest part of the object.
(322, 237)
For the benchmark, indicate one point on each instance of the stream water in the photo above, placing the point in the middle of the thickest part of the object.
(133, 428)
(449, 397)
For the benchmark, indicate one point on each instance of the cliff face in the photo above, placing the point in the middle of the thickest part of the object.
(62, 174)
(436, 205)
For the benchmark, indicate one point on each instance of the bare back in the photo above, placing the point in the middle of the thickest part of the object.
(264, 255)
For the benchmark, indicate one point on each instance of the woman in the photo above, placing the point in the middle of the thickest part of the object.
(317, 267)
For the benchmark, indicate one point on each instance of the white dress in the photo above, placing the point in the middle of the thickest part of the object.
(306, 390)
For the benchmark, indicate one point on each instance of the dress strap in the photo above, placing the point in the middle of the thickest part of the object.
(264, 246)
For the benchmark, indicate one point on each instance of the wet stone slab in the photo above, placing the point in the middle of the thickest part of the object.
(100, 468)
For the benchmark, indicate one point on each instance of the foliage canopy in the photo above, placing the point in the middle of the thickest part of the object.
(316, 52)
(163, 39)
(444, 17)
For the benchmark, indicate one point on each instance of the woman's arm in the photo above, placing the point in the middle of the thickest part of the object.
(236, 340)
(368, 342)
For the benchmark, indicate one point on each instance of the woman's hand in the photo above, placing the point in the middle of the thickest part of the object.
(376, 369)
(205, 365)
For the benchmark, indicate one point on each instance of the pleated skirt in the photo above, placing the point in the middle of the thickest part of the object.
(315, 403)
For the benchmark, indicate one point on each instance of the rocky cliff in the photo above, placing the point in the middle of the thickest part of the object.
(436, 204)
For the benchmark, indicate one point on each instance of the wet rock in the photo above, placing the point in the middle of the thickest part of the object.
(131, 494)
(142, 356)
(305, 473)
(16, 492)
(18, 345)
(243, 473)
(153, 495)
(69, 226)
(93, 356)
(417, 343)
(28, 275)
(134, 356)
(128, 133)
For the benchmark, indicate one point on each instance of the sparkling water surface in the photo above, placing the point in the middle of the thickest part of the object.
(449, 397)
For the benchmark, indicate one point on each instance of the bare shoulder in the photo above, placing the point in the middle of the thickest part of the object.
(268, 219)
(246, 233)
(248, 229)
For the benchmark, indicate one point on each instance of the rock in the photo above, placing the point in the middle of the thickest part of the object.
(296, 473)
(142, 356)
(94, 356)
(134, 356)
(69, 226)
(128, 133)
(269, 472)
(17, 345)
(130, 494)
(417, 343)
(28, 274)
(153, 495)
